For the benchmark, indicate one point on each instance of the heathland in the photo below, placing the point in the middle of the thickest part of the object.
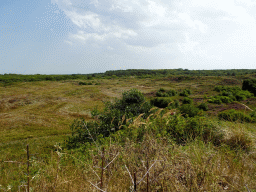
(129, 130)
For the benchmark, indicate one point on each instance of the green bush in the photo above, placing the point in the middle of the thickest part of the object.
(215, 100)
(189, 110)
(233, 115)
(203, 106)
(230, 94)
(243, 95)
(163, 93)
(161, 102)
(227, 89)
(184, 130)
(187, 100)
(173, 105)
(82, 83)
(250, 85)
(185, 92)
(172, 92)
(253, 114)
(226, 93)
(112, 119)
(225, 99)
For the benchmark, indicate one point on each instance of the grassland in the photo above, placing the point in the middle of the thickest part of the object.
(40, 114)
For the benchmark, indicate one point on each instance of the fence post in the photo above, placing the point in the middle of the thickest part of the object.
(135, 185)
(102, 169)
(28, 165)
(147, 174)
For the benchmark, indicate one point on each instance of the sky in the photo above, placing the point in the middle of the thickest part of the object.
(93, 36)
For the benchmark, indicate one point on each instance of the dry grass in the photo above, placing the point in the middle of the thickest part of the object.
(196, 167)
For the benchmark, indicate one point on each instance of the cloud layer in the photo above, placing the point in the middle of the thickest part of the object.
(162, 34)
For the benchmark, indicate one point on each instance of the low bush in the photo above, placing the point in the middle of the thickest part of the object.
(163, 93)
(229, 94)
(184, 130)
(187, 100)
(233, 115)
(188, 110)
(243, 95)
(173, 105)
(221, 88)
(250, 85)
(185, 92)
(203, 106)
(82, 83)
(215, 100)
(161, 102)
(253, 114)
(172, 92)
(114, 117)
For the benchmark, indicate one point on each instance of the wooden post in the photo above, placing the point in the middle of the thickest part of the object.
(28, 165)
(135, 182)
(147, 175)
(102, 169)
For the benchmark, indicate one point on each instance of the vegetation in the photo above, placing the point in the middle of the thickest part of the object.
(163, 93)
(161, 102)
(114, 117)
(187, 100)
(203, 106)
(229, 94)
(233, 115)
(250, 85)
(185, 92)
(102, 136)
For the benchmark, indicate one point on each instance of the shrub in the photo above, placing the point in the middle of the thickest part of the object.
(187, 100)
(240, 97)
(112, 119)
(215, 100)
(253, 114)
(203, 106)
(233, 115)
(230, 94)
(189, 110)
(225, 99)
(82, 83)
(163, 93)
(161, 102)
(184, 130)
(174, 104)
(250, 85)
(172, 92)
(226, 93)
(227, 89)
(185, 92)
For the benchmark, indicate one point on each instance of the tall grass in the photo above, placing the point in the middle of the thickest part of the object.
(159, 163)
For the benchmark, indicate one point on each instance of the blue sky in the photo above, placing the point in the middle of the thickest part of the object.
(91, 36)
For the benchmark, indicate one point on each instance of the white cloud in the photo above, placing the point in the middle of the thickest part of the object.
(68, 42)
(146, 30)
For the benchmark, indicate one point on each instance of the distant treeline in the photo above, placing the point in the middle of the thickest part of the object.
(167, 72)
(142, 73)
